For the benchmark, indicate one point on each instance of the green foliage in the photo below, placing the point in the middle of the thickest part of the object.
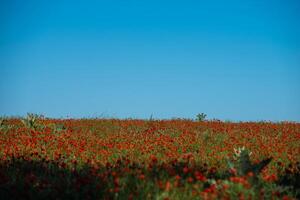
(243, 163)
(201, 117)
(237, 190)
(3, 125)
(32, 121)
(57, 127)
(2, 120)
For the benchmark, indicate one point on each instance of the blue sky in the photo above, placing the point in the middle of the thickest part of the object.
(233, 60)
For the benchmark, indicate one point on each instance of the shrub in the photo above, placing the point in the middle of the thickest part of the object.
(201, 117)
(31, 121)
(243, 165)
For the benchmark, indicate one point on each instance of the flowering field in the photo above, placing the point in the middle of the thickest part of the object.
(148, 159)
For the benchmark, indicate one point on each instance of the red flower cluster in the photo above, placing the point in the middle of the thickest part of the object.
(181, 151)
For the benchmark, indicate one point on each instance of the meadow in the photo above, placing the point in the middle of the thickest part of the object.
(44, 158)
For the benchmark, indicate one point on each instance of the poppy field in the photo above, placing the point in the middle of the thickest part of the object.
(44, 158)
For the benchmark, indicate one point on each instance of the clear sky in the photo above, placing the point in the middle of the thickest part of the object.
(233, 59)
